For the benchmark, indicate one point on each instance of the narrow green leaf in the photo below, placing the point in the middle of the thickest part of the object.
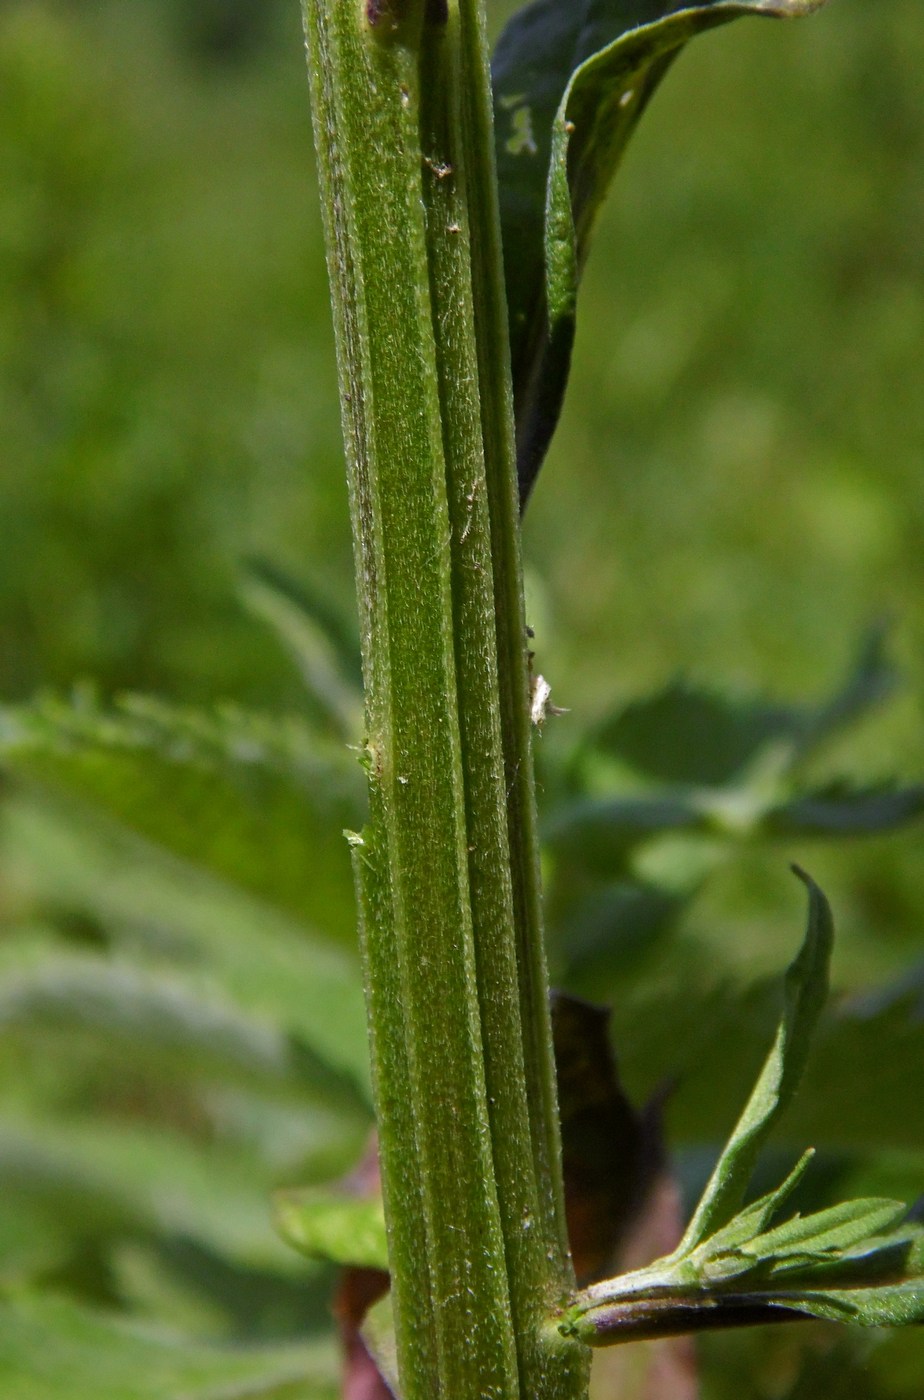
(859, 1261)
(836, 1229)
(51, 1348)
(95, 1178)
(127, 1014)
(332, 1223)
(159, 916)
(258, 801)
(805, 990)
(876, 1260)
(750, 1222)
(886, 1305)
(571, 81)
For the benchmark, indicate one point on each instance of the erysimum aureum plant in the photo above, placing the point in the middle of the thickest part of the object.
(182, 1038)
(454, 266)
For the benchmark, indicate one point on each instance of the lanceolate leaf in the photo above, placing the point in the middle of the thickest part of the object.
(571, 79)
(260, 802)
(51, 1347)
(96, 1179)
(838, 1228)
(839, 1247)
(748, 1224)
(130, 1015)
(854, 1262)
(805, 991)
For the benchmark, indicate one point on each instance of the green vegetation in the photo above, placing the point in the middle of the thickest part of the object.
(733, 495)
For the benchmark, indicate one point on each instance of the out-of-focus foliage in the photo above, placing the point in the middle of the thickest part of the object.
(168, 394)
(735, 492)
(49, 1347)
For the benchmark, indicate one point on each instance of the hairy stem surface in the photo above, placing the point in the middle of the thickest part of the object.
(447, 869)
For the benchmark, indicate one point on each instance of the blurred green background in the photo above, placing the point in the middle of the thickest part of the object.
(736, 489)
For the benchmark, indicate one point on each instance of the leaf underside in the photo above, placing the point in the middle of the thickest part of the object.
(570, 84)
(258, 801)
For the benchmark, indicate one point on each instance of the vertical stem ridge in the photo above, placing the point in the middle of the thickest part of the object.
(468, 1160)
(496, 392)
(445, 1234)
(533, 1228)
(414, 1316)
(445, 197)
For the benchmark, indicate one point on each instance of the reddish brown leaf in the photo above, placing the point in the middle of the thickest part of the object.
(623, 1206)
(612, 1155)
(359, 1289)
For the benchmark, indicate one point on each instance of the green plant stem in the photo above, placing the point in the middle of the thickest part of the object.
(447, 870)
(513, 670)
